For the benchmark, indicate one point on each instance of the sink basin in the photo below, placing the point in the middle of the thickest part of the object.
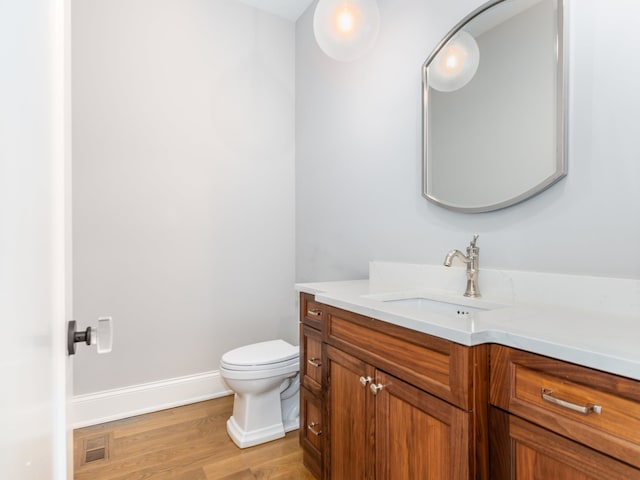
(432, 302)
(435, 306)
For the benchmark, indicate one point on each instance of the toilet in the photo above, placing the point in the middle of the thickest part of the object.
(266, 382)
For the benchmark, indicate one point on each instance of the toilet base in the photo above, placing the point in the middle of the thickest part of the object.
(243, 438)
(259, 418)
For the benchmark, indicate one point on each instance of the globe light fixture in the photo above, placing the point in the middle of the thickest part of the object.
(346, 29)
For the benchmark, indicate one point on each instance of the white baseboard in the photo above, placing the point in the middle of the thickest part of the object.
(108, 405)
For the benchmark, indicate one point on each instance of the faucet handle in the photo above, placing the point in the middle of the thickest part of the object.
(475, 239)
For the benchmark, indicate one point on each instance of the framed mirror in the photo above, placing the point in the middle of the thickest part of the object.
(494, 107)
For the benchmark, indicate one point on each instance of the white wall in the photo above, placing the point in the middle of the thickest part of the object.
(183, 147)
(358, 155)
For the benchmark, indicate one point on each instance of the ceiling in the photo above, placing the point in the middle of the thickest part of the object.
(289, 9)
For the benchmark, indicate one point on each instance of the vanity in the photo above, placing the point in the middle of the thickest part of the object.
(395, 386)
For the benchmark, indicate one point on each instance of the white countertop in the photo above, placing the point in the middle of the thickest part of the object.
(589, 334)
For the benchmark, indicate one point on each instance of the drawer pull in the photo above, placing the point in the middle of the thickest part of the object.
(313, 312)
(547, 395)
(365, 380)
(314, 361)
(375, 388)
(312, 428)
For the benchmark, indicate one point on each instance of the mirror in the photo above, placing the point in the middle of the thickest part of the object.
(493, 107)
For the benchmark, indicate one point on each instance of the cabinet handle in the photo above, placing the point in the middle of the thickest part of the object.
(547, 395)
(314, 361)
(312, 428)
(365, 380)
(375, 388)
(313, 312)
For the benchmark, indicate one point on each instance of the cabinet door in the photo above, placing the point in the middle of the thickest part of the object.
(350, 413)
(534, 453)
(419, 436)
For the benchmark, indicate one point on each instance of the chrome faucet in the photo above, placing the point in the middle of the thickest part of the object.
(471, 259)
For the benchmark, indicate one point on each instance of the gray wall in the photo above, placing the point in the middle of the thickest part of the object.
(183, 199)
(358, 155)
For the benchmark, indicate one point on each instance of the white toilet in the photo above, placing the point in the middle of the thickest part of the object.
(264, 377)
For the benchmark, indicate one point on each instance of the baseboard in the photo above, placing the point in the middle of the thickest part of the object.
(108, 405)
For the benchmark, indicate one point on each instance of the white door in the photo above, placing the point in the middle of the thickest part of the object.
(34, 243)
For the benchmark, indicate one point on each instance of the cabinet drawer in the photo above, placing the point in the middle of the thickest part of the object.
(597, 409)
(311, 312)
(437, 366)
(311, 431)
(312, 359)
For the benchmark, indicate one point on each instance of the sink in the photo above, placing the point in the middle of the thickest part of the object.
(435, 306)
(440, 304)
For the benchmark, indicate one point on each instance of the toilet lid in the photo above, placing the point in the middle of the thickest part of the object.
(263, 353)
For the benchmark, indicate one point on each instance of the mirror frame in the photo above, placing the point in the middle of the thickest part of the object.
(561, 151)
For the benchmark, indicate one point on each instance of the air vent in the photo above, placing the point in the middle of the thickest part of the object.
(93, 455)
(96, 448)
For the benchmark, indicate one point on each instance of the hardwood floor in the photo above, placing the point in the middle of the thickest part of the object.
(184, 443)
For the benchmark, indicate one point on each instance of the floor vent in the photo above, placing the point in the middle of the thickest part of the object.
(93, 455)
(96, 448)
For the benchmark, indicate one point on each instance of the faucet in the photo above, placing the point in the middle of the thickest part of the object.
(471, 259)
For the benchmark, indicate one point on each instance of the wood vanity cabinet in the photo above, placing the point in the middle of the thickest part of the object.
(395, 403)
(553, 420)
(379, 401)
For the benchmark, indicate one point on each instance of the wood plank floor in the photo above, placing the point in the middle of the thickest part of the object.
(184, 443)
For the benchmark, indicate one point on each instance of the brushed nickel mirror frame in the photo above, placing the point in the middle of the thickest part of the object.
(561, 154)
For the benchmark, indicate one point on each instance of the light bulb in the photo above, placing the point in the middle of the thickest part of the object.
(346, 29)
(455, 64)
(345, 20)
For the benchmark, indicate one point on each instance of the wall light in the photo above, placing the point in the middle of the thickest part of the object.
(456, 64)
(346, 29)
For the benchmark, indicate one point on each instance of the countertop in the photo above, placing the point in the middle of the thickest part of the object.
(606, 341)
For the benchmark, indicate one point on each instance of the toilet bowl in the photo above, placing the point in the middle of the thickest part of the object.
(265, 380)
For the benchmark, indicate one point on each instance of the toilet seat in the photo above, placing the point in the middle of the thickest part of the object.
(261, 356)
(295, 362)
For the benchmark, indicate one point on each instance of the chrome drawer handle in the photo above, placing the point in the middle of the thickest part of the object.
(365, 380)
(314, 361)
(547, 395)
(312, 428)
(313, 312)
